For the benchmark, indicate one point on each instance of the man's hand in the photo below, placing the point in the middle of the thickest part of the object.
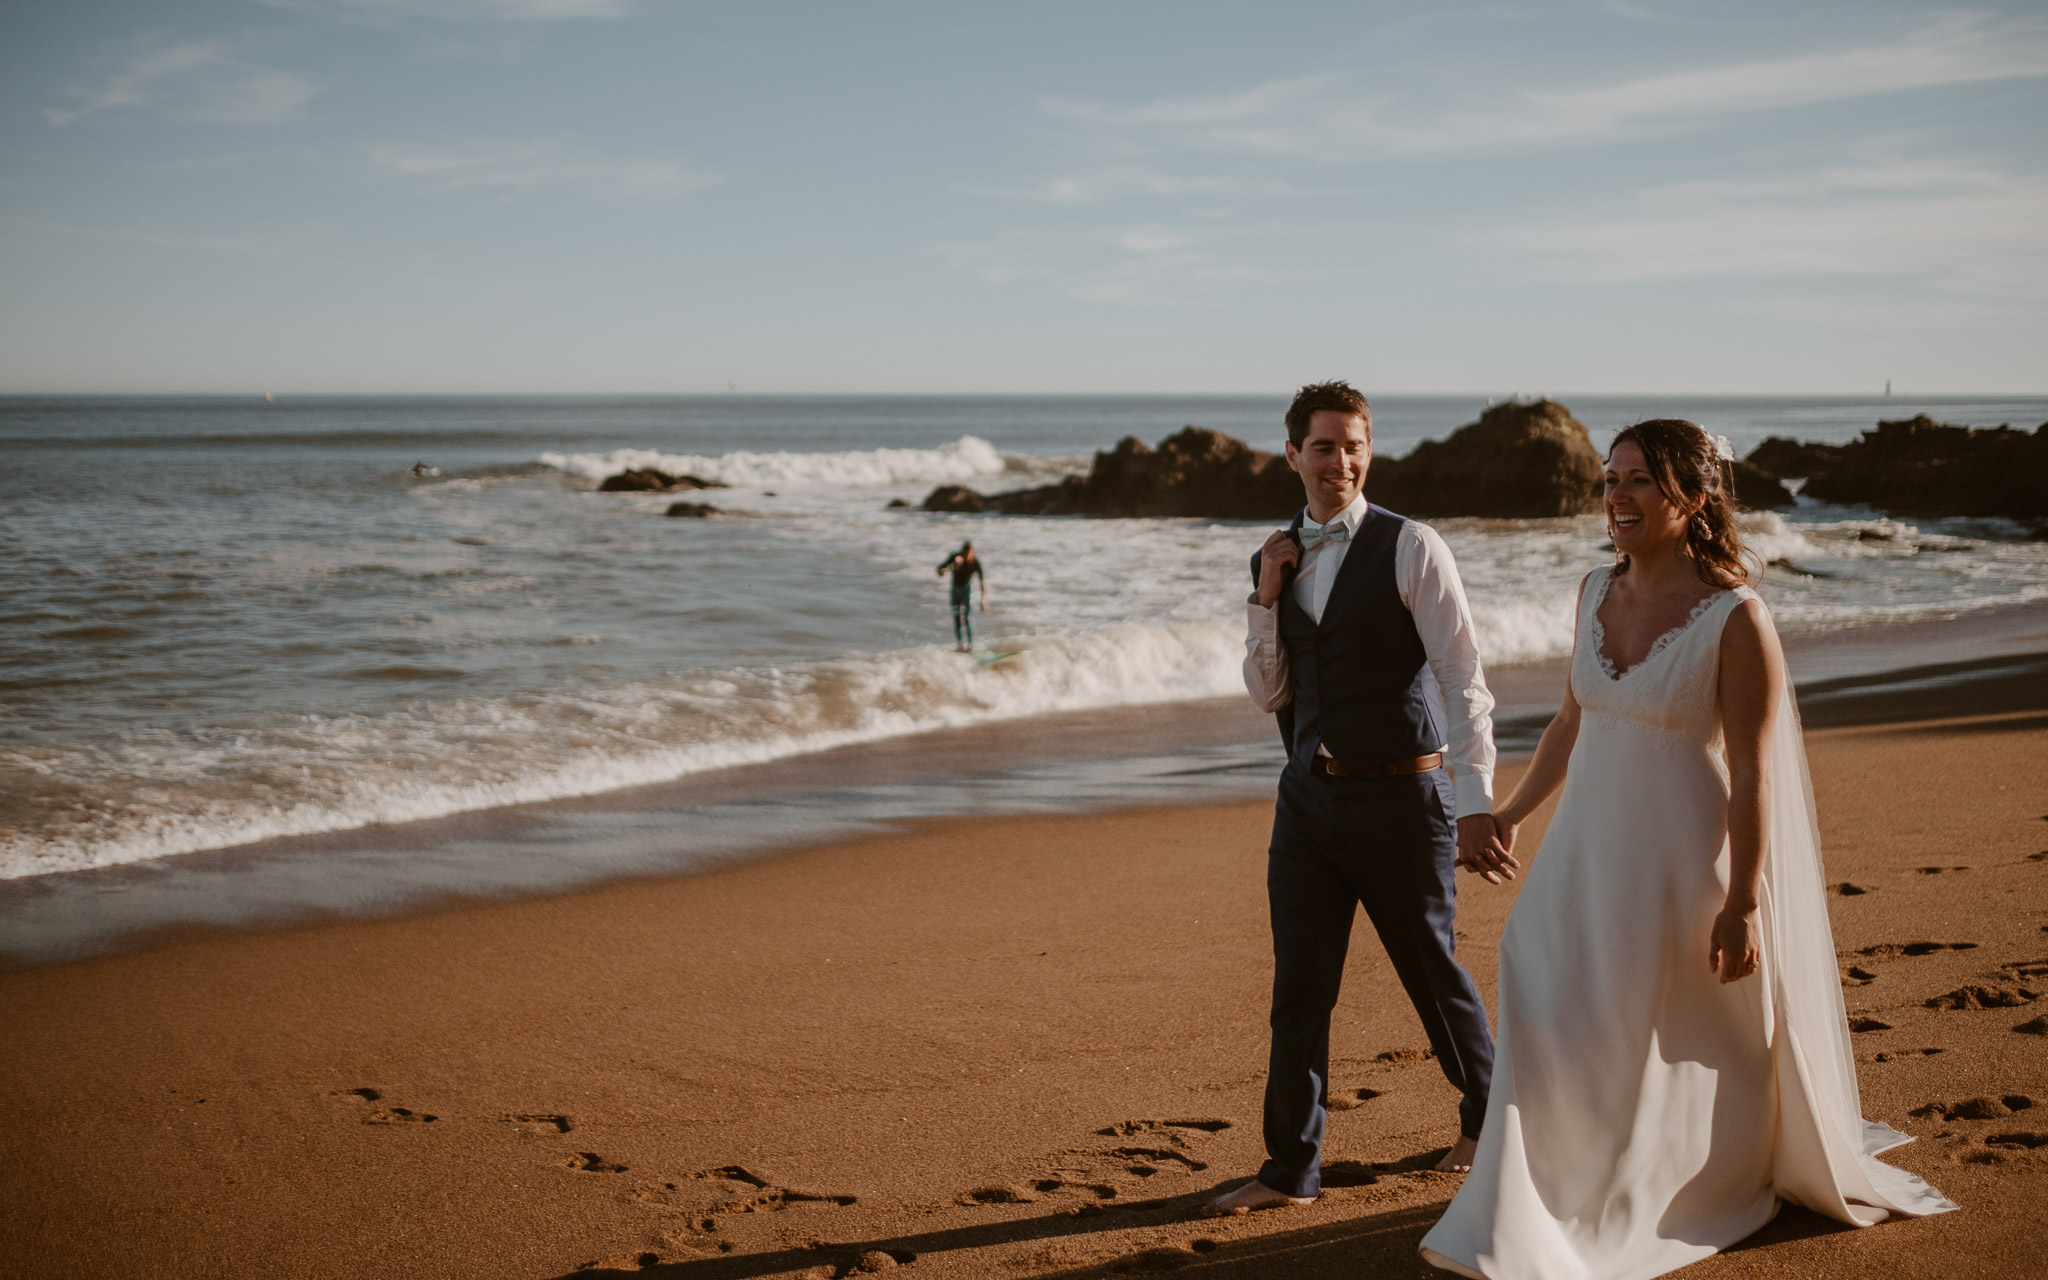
(1278, 559)
(1481, 850)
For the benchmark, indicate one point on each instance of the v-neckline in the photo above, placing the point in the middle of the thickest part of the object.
(1657, 646)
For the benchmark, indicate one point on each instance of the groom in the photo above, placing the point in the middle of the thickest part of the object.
(1361, 641)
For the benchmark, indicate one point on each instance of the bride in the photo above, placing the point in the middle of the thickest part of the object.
(1673, 1054)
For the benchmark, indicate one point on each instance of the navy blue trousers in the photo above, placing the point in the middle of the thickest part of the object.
(1389, 844)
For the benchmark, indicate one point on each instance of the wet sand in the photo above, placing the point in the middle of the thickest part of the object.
(979, 1047)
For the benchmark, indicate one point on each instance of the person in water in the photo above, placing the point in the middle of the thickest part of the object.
(965, 567)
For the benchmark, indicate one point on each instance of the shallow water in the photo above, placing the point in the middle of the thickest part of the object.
(227, 621)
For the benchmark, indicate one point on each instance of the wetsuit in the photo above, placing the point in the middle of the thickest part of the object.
(965, 571)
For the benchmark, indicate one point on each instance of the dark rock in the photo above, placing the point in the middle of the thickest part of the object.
(1517, 461)
(1524, 461)
(1758, 489)
(1778, 456)
(954, 497)
(1194, 472)
(637, 482)
(1922, 467)
(896, 504)
(652, 481)
(692, 510)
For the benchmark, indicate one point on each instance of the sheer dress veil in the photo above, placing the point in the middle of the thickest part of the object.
(1826, 1149)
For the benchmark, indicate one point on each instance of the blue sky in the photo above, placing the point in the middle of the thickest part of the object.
(625, 196)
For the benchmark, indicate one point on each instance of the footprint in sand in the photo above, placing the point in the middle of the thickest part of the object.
(383, 1115)
(1856, 976)
(1132, 1128)
(1893, 950)
(538, 1122)
(1978, 996)
(1094, 1173)
(1847, 890)
(1358, 1097)
(1976, 1108)
(1903, 1055)
(702, 1195)
(1936, 871)
(2027, 1141)
(1860, 1025)
(2037, 1027)
(1158, 1258)
(1401, 1057)
(591, 1162)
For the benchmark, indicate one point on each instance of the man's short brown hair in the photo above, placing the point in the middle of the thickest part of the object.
(1339, 397)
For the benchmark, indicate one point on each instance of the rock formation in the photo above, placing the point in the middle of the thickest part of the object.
(1518, 460)
(1921, 467)
(1758, 489)
(652, 481)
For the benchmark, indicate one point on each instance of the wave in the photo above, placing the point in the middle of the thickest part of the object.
(157, 794)
(965, 459)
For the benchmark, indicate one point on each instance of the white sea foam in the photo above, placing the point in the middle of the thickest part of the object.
(966, 459)
(314, 774)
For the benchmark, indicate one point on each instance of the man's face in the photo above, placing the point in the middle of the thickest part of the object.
(1332, 459)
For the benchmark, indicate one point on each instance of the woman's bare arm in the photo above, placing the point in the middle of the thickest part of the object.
(1545, 773)
(1752, 685)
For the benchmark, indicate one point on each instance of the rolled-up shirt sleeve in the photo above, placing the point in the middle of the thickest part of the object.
(1265, 659)
(1435, 596)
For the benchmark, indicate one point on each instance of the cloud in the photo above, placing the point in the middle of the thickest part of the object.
(1964, 228)
(196, 80)
(1141, 266)
(1092, 185)
(460, 10)
(146, 237)
(1329, 116)
(525, 166)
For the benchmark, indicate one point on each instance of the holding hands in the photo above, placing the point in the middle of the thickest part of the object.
(1486, 847)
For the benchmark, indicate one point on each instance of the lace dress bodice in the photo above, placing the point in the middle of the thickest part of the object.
(1674, 687)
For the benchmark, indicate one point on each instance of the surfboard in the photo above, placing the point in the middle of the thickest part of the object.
(988, 656)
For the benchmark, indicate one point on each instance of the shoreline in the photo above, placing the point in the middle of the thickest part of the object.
(970, 1046)
(1186, 753)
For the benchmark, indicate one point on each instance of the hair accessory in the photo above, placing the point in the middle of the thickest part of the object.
(1724, 448)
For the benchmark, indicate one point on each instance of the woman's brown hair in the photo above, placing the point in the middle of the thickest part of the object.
(1687, 466)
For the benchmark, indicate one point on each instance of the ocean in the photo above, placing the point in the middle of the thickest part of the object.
(232, 620)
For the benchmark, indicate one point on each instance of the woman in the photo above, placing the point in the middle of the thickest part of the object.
(1673, 1055)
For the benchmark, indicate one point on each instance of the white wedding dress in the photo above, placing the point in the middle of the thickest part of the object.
(1643, 1115)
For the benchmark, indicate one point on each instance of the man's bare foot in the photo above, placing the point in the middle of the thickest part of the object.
(1250, 1198)
(1459, 1158)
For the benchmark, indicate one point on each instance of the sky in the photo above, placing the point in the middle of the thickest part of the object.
(774, 196)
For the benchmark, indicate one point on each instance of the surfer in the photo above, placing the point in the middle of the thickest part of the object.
(965, 567)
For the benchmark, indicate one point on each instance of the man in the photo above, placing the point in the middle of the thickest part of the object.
(1359, 633)
(965, 567)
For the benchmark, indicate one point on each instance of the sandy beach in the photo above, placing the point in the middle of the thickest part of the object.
(980, 1047)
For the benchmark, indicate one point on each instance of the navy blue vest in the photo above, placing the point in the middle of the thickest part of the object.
(1362, 683)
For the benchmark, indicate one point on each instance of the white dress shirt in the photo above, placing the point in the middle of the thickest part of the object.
(1427, 579)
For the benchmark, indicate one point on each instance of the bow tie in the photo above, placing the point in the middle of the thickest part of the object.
(1314, 535)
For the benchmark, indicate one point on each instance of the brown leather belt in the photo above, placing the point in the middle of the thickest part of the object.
(1391, 769)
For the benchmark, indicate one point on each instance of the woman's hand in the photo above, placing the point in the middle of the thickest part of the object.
(1734, 952)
